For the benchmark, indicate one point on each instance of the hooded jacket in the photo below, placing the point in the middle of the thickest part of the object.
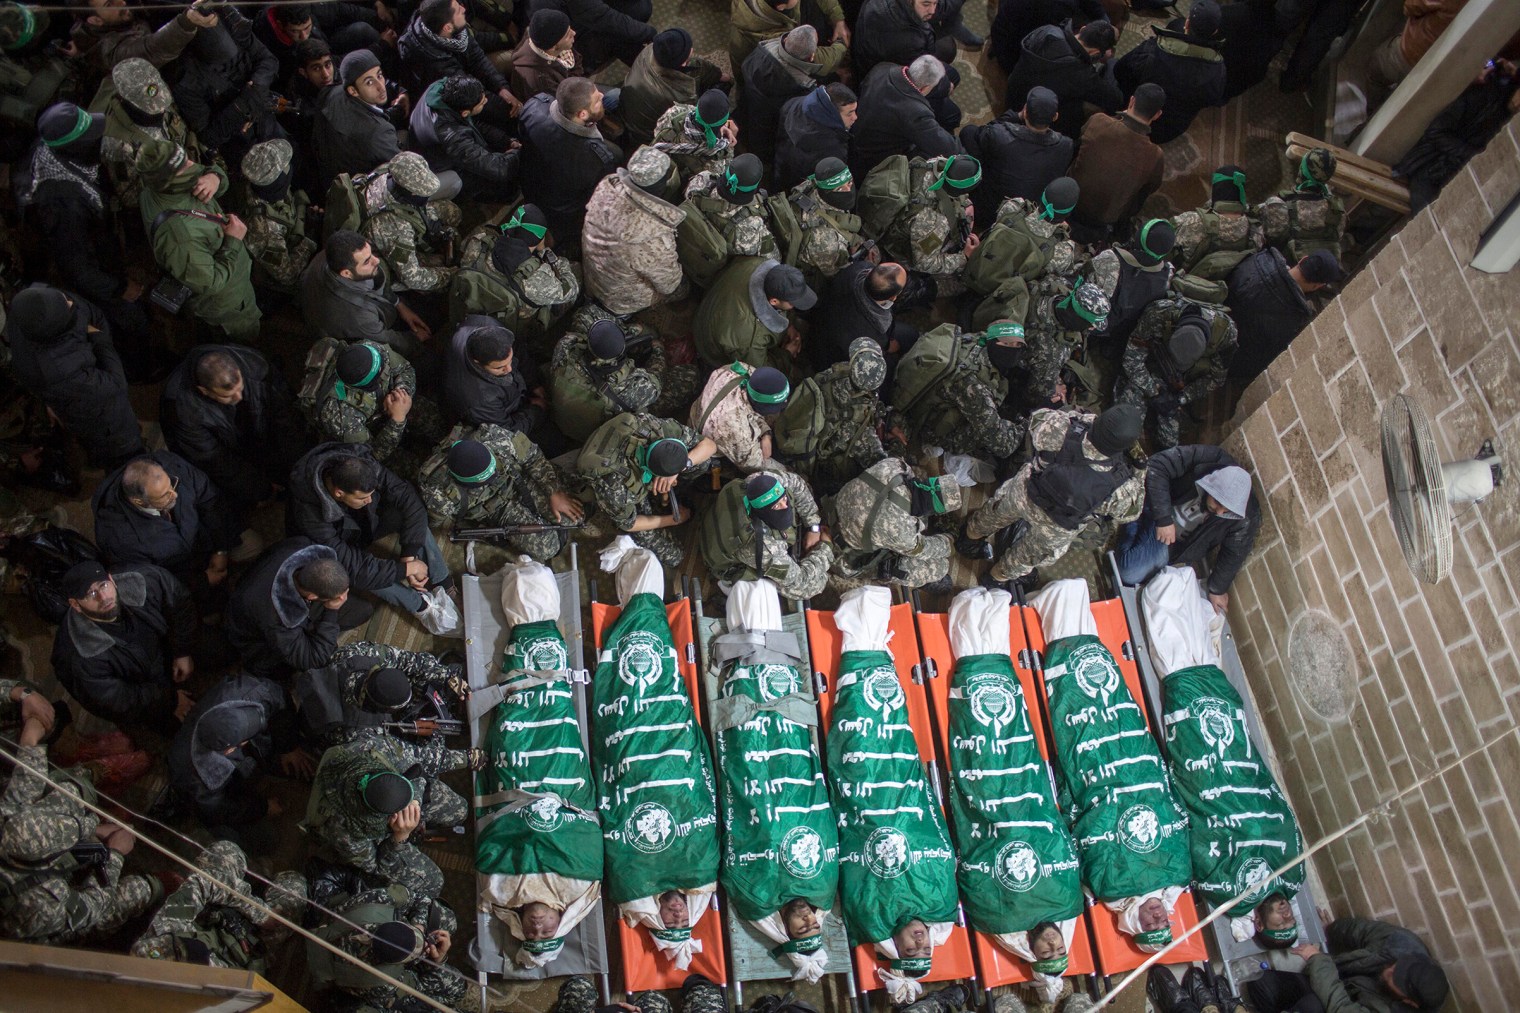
(221, 788)
(810, 129)
(1191, 71)
(450, 140)
(1171, 479)
(751, 22)
(425, 60)
(1268, 308)
(312, 512)
(1015, 20)
(889, 31)
(200, 523)
(1017, 161)
(563, 161)
(267, 621)
(350, 135)
(1054, 58)
(895, 119)
(736, 323)
(473, 396)
(771, 76)
(628, 246)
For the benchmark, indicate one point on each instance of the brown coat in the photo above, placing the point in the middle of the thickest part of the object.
(1117, 167)
(529, 74)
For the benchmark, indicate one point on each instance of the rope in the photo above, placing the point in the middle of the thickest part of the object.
(1368, 815)
(231, 890)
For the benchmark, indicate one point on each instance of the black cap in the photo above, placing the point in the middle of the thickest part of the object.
(1321, 266)
(1117, 429)
(40, 312)
(787, 283)
(1228, 185)
(467, 459)
(1422, 980)
(387, 689)
(1040, 107)
(387, 792)
(355, 65)
(509, 251)
(64, 123)
(1060, 197)
(741, 180)
(1204, 19)
(672, 47)
(767, 390)
(546, 27)
(195, 951)
(359, 365)
(667, 458)
(1156, 238)
(393, 943)
(79, 578)
(713, 107)
(606, 339)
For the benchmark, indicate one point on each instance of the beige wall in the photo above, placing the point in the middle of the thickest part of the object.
(1436, 670)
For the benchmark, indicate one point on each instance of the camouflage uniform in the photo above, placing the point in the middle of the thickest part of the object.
(355, 835)
(1045, 541)
(1051, 345)
(138, 80)
(579, 995)
(728, 537)
(403, 235)
(1140, 376)
(960, 411)
(352, 663)
(831, 428)
(516, 493)
(227, 923)
(1310, 216)
(1020, 247)
(584, 392)
(723, 414)
(1222, 227)
(361, 992)
(45, 897)
(877, 535)
(528, 303)
(678, 135)
(357, 416)
(612, 475)
(829, 236)
(745, 227)
(277, 239)
(929, 234)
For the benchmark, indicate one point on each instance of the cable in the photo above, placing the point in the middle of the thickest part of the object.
(182, 7)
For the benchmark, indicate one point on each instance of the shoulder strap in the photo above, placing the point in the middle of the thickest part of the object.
(164, 216)
(723, 392)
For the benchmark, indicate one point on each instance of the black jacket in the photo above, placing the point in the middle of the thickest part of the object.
(601, 29)
(218, 95)
(768, 83)
(272, 628)
(895, 119)
(1458, 132)
(1269, 309)
(119, 671)
(473, 397)
(350, 135)
(242, 448)
(810, 131)
(1017, 18)
(1171, 477)
(889, 31)
(848, 313)
(477, 151)
(76, 236)
(396, 507)
(221, 788)
(200, 523)
(1190, 72)
(78, 374)
(425, 61)
(1052, 57)
(562, 164)
(1016, 161)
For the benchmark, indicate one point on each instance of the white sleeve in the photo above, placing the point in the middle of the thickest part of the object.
(637, 569)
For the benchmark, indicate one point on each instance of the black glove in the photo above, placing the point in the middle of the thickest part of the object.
(1165, 403)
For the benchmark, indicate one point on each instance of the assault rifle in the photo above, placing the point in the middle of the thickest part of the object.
(426, 727)
(495, 534)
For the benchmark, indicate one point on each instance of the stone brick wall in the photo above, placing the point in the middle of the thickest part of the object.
(1435, 671)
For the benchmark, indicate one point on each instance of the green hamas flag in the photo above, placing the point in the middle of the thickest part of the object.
(659, 819)
(1129, 827)
(895, 857)
(780, 840)
(1240, 824)
(535, 808)
(1018, 865)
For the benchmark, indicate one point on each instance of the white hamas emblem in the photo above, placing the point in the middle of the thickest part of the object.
(649, 828)
(1215, 723)
(993, 701)
(1139, 829)
(543, 815)
(1095, 670)
(887, 854)
(776, 681)
(1017, 867)
(641, 658)
(802, 852)
(543, 654)
(882, 690)
(1253, 875)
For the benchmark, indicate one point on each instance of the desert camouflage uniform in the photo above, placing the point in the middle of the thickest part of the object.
(227, 923)
(582, 396)
(927, 234)
(876, 534)
(678, 135)
(354, 835)
(1140, 379)
(745, 227)
(528, 303)
(614, 478)
(829, 236)
(403, 236)
(579, 995)
(43, 899)
(355, 993)
(723, 414)
(1046, 541)
(1206, 231)
(518, 492)
(358, 417)
(277, 240)
(727, 540)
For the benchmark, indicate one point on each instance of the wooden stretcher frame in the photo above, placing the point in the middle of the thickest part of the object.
(953, 961)
(643, 968)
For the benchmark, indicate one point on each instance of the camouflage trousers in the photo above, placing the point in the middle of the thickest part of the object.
(83, 914)
(1047, 357)
(1021, 1000)
(946, 999)
(1138, 390)
(679, 386)
(932, 564)
(1042, 544)
(579, 995)
(667, 544)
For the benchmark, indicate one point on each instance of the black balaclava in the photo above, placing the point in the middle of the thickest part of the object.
(760, 495)
(274, 190)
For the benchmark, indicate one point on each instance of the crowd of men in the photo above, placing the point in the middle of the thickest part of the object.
(482, 258)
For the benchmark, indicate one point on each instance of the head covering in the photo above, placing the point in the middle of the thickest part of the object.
(41, 312)
(159, 161)
(741, 179)
(1088, 302)
(1187, 343)
(868, 366)
(960, 172)
(762, 491)
(64, 123)
(712, 112)
(470, 461)
(1422, 980)
(225, 726)
(1231, 486)
(355, 65)
(79, 578)
(666, 458)
(20, 24)
(1321, 266)
(386, 689)
(831, 173)
(937, 495)
(267, 161)
(528, 220)
(1117, 429)
(508, 253)
(1204, 19)
(766, 390)
(1316, 168)
(410, 171)
(606, 339)
(546, 27)
(395, 943)
(1227, 188)
(801, 42)
(1059, 198)
(357, 366)
(139, 83)
(787, 283)
(1157, 237)
(671, 47)
(36, 835)
(1040, 107)
(648, 167)
(386, 792)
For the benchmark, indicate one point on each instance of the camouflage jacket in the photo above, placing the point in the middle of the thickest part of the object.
(745, 227)
(723, 414)
(403, 235)
(1206, 231)
(277, 240)
(124, 138)
(829, 236)
(686, 144)
(1154, 331)
(583, 395)
(874, 512)
(518, 492)
(610, 470)
(929, 235)
(1299, 222)
(727, 539)
(541, 289)
(357, 417)
(1047, 434)
(848, 430)
(354, 939)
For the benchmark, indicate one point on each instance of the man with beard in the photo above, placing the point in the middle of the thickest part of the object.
(485, 381)
(565, 155)
(347, 294)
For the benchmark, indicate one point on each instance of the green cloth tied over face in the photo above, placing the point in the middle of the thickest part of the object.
(517, 222)
(542, 946)
(834, 182)
(807, 944)
(376, 360)
(1156, 937)
(671, 935)
(913, 967)
(81, 124)
(1055, 966)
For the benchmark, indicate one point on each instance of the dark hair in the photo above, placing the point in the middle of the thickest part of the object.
(342, 249)
(217, 371)
(435, 14)
(574, 95)
(1263, 940)
(488, 344)
(134, 477)
(351, 474)
(841, 95)
(292, 14)
(882, 281)
(324, 578)
(1040, 928)
(311, 49)
(1150, 99)
(461, 92)
(1099, 35)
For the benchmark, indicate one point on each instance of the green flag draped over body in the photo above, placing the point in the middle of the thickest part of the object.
(659, 820)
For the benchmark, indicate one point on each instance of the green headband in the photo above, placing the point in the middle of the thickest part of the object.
(931, 486)
(1051, 211)
(542, 946)
(1156, 937)
(367, 778)
(1055, 966)
(516, 222)
(1002, 329)
(641, 456)
(1145, 232)
(807, 944)
(833, 182)
(375, 361)
(1281, 935)
(732, 179)
(671, 935)
(473, 479)
(1308, 178)
(81, 124)
(709, 129)
(914, 966)
(765, 499)
(1070, 302)
(1238, 178)
(777, 398)
(28, 28)
(958, 184)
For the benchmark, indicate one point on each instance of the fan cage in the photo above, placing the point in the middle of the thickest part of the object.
(1416, 490)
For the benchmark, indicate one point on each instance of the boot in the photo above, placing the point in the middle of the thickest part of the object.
(1162, 989)
(952, 998)
(1195, 985)
(971, 548)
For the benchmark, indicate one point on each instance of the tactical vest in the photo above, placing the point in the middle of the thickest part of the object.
(609, 452)
(1066, 483)
(942, 356)
(326, 969)
(1304, 223)
(1137, 288)
(1216, 256)
(579, 395)
(728, 538)
(799, 429)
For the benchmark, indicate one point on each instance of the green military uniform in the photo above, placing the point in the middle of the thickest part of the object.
(526, 302)
(950, 393)
(362, 991)
(736, 323)
(831, 428)
(516, 493)
(929, 233)
(585, 391)
(611, 466)
(1148, 371)
(879, 536)
(830, 236)
(351, 414)
(728, 540)
(412, 240)
(139, 86)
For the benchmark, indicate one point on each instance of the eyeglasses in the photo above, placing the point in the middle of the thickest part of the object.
(94, 593)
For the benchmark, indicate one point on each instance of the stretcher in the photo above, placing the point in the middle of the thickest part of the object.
(1115, 952)
(644, 969)
(750, 953)
(485, 637)
(997, 967)
(953, 961)
(1242, 959)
